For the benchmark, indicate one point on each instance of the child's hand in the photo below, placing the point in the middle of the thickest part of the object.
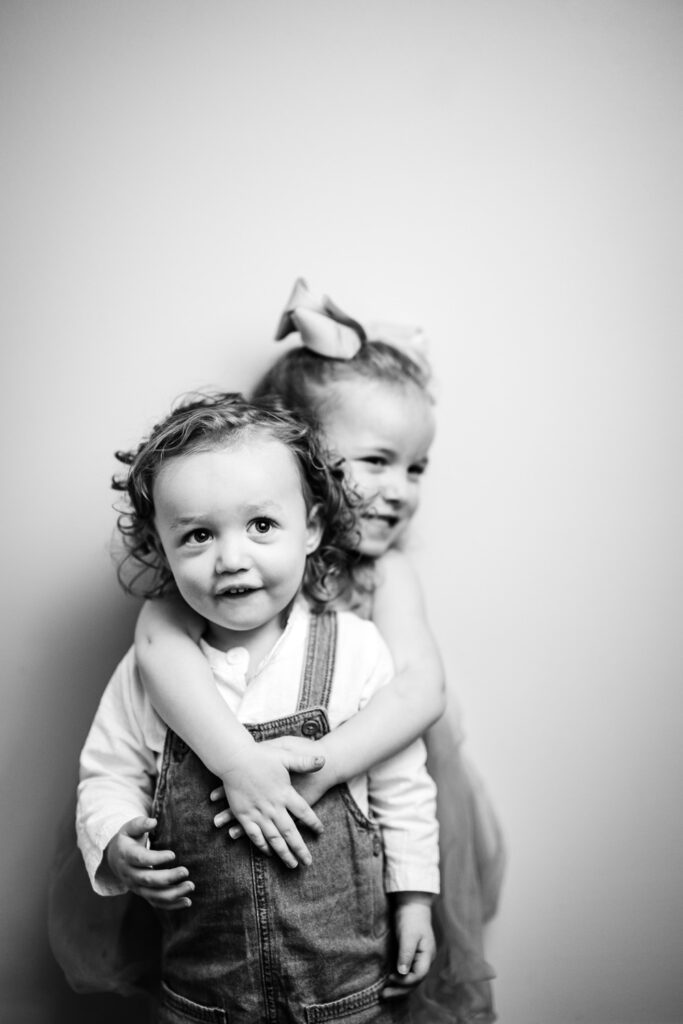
(139, 868)
(262, 800)
(416, 944)
(313, 786)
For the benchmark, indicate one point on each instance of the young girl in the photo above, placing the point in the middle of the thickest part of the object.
(372, 401)
(233, 505)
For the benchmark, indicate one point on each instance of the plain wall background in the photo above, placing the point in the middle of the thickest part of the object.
(506, 173)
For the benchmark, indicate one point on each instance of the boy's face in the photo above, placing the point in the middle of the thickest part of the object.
(384, 433)
(236, 533)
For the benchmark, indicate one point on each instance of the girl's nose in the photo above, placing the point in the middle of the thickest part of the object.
(231, 555)
(395, 486)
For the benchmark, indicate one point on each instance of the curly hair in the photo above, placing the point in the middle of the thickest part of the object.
(205, 422)
(302, 379)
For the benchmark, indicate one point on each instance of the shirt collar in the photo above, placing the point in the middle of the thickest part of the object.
(235, 661)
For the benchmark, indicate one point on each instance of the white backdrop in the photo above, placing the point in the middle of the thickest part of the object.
(506, 173)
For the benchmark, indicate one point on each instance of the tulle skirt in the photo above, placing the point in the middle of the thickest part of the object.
(458, 987)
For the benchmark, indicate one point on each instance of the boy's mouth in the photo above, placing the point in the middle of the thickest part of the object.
(236, 592)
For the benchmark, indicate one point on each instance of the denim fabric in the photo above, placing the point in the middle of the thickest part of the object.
(263, 942)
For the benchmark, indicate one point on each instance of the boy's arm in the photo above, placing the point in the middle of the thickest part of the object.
(397, 714)
(116, 774)
(118, 766)
(256, 777)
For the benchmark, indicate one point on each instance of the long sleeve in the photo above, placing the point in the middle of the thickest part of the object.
(118, 769)
(401, 794)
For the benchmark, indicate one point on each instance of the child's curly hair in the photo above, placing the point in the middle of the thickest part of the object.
(204, 422)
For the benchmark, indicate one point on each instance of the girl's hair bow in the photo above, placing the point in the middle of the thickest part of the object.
(326, 329)
(322, 325)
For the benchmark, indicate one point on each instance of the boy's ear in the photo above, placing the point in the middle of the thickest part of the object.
(314, 530)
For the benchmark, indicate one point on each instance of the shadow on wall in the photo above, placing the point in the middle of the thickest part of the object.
(79, 671)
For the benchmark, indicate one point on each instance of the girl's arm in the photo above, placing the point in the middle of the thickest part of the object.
(400, 712)
(256, 778)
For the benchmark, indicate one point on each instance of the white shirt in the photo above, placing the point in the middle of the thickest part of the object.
(122, 755)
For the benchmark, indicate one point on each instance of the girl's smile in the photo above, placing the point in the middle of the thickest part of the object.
(383, 432)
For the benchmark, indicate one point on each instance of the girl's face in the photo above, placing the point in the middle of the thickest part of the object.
(235, 530)
(384, 433)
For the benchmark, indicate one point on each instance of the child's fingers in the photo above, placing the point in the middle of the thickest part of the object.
(407, 950)
(304, 763)
(304, 813)
(421, 964)
(224, 818)
(281, 838)
(163, 879)
(227, 819)
(394, 991)
(181, 904)
(413, 962)
(217, 794)
(282, 849)
(275, 834)
(140, 857)
(298, 750)
(401, 984)
(288, 844)
(174, 897)
(286, 840)
(138, 827)
(255, 835)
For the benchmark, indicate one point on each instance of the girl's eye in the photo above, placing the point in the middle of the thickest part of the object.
(417, 470)
(263, 526)
(198, 536)
(374, 460)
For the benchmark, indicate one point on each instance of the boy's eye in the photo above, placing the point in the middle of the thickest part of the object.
(198, 536)
(374, 460)
(417, 470)
(262, 526)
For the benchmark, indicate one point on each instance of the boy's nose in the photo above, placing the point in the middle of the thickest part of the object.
(231, 555)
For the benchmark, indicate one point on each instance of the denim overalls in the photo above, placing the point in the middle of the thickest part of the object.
(263, 942)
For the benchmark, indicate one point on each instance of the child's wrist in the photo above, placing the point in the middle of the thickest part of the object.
(401, 899)
(241, 753)
(106, 872)
(329, 771)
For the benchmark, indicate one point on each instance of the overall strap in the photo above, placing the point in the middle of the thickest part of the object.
(316, 678)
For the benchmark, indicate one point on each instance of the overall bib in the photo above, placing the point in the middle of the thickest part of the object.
(263, 942)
